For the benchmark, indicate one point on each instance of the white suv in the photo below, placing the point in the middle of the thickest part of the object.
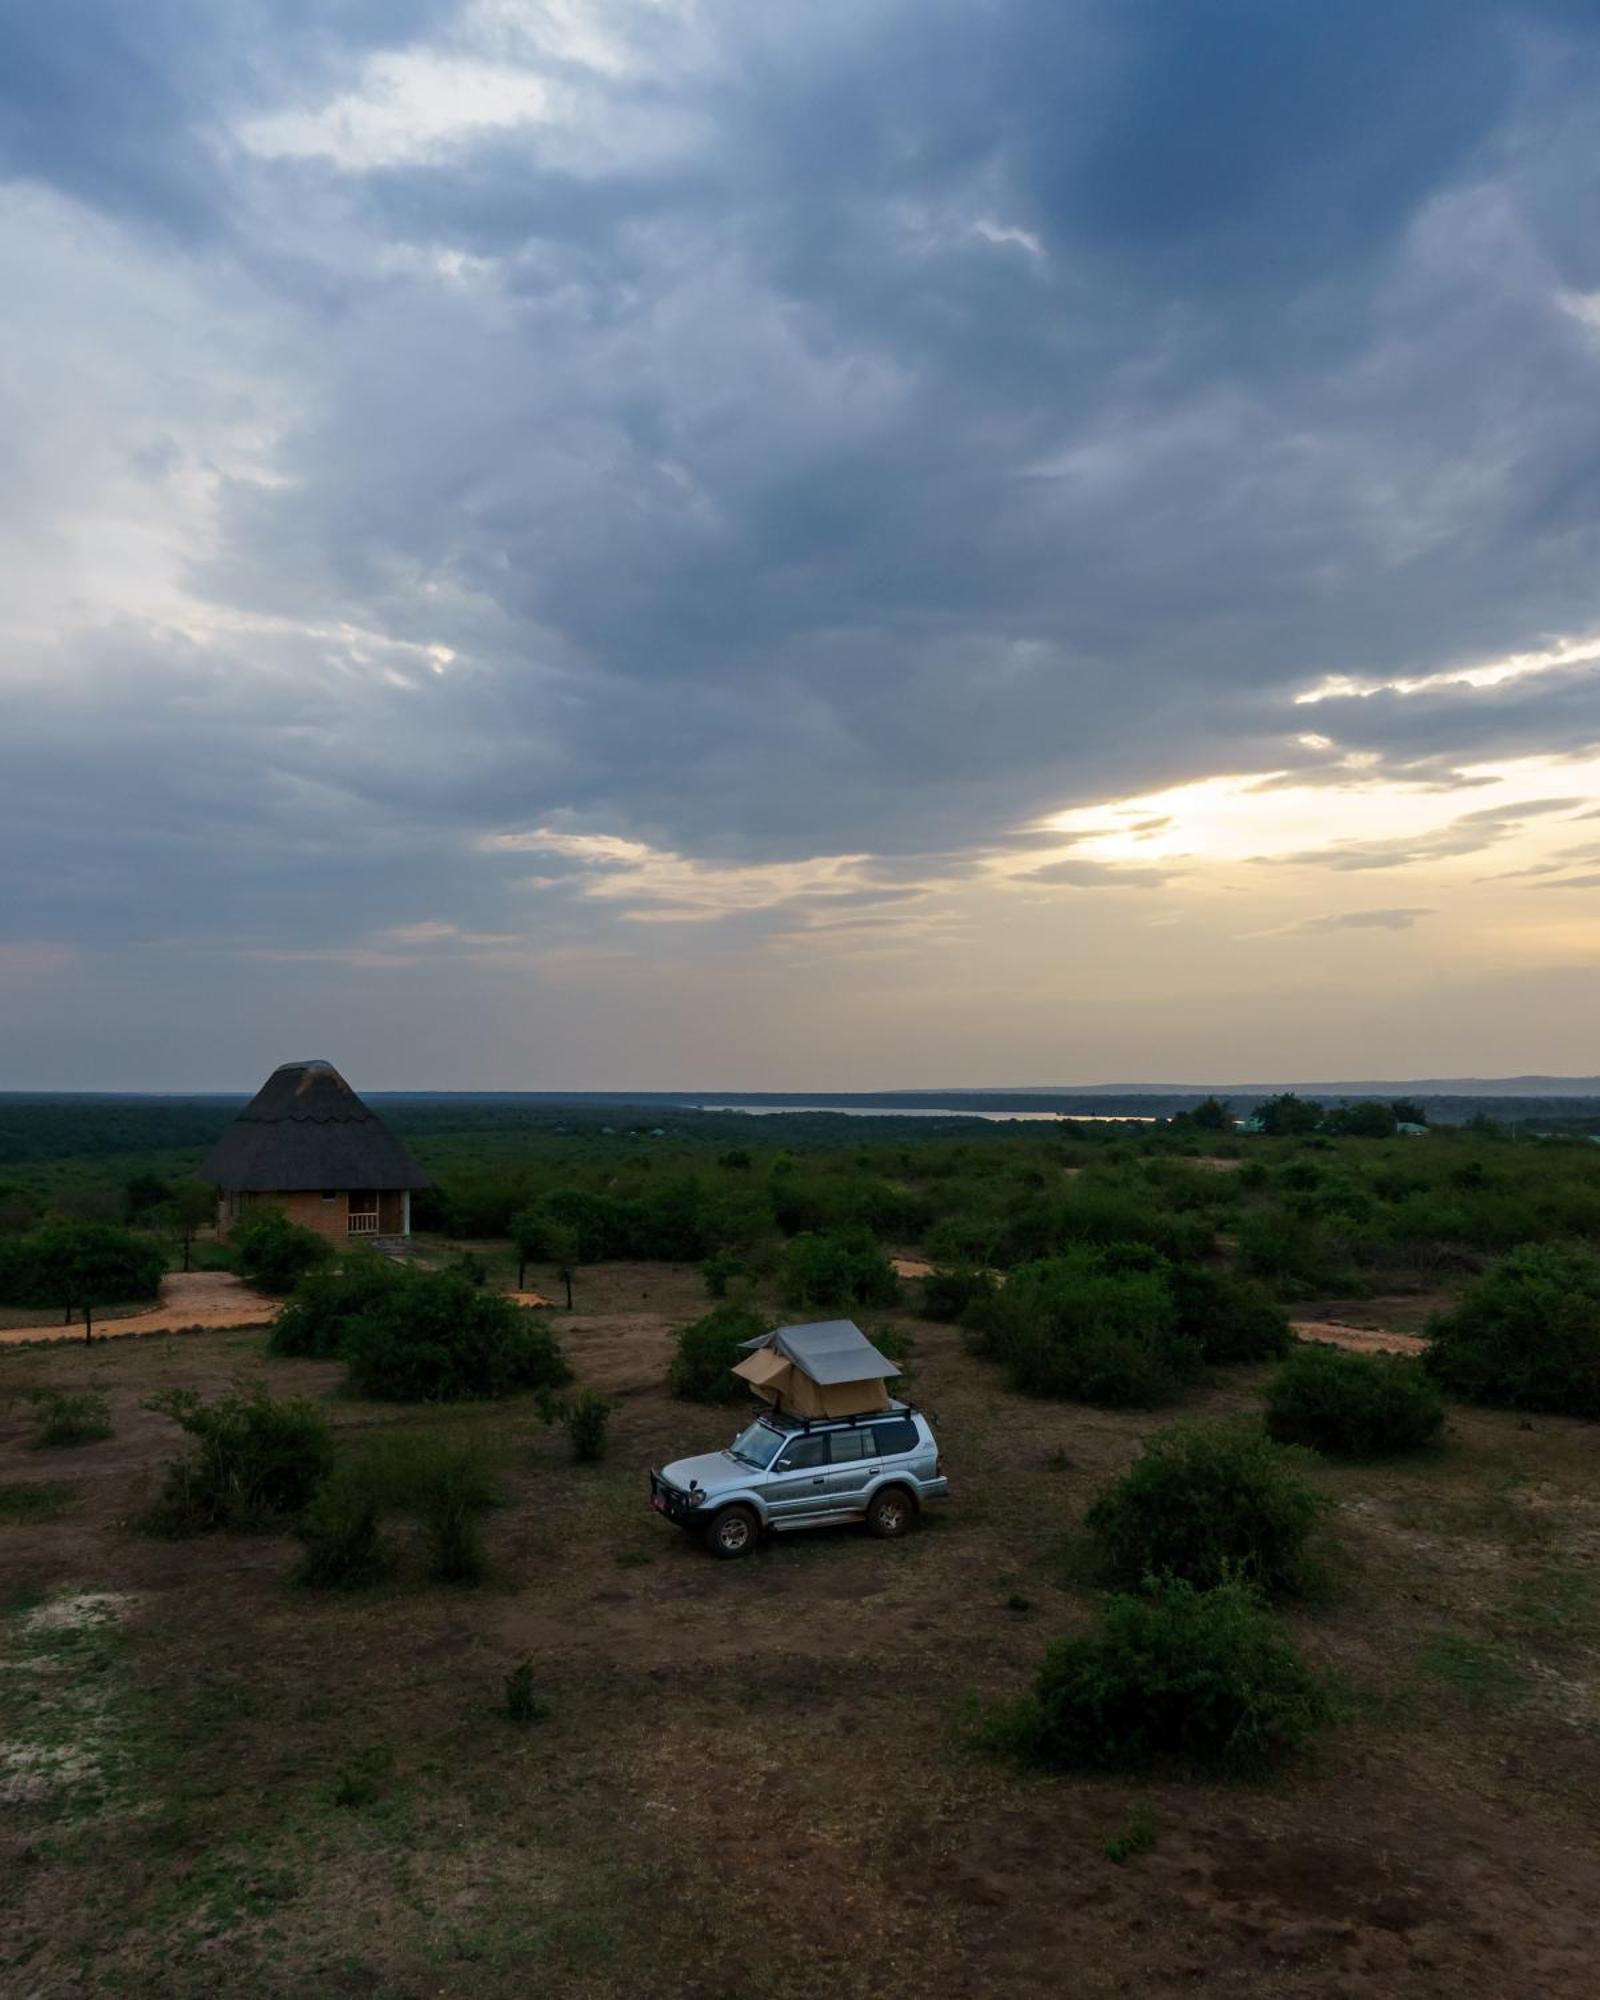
(792, 1472)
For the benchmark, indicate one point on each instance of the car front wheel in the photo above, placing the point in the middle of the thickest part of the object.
(892, 1512)
(732, 1533)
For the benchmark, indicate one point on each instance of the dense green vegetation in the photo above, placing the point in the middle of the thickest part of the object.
(255, 1461)
(1353, 1405)
(1204, 1677)
(1526, 1335)
(1210, 1504)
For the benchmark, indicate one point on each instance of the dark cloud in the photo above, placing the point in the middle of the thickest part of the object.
(854, 430)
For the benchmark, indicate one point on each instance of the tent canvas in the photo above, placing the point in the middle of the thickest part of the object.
(826, 1369)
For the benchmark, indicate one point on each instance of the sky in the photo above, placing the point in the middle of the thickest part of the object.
(680, 543)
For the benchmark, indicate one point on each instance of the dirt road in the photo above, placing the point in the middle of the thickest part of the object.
(188, 1299)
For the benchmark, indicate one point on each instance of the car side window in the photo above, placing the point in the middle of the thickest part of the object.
(899, 1434)
(850, 1447)
(802, 1452)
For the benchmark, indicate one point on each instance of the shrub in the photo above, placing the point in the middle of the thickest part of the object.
(524, 1703)
(1353, 1405)
(587, 1417)
(1206, 1677)
(1080, 1327)
(1526, 1335)
(441, 1482)
(325, 1305)
(438, 1338)
(1227, 1318)
(63, 1418)
(275, 1253)
(720, 1269)
(1206, 1503)
(701, 1370)
(951, 1294)
(830, 1273)
(341, 1533)
(256, 1461)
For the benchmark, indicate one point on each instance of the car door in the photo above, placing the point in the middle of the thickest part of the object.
(852, 1465)
(796, 1483)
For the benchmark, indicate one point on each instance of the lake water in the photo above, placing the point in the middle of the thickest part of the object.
(937, 1111)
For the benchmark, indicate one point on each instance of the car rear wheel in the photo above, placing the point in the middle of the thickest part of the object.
(732, 1533)
(892, 1512)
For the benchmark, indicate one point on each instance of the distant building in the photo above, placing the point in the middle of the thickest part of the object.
(1251, 1124)
(306, 1144)
(1409, 1131)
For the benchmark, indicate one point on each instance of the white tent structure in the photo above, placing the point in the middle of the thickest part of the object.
(828, 1368)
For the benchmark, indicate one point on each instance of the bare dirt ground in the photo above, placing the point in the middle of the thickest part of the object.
(189, 1299)
(760, 1771)
(1357, 1339)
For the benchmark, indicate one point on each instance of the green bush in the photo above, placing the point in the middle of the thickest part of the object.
(1205, 1677)
(524, 1702)
(443, 1483)
(721, 1269)
(1526, 1335)
(275, 1253)
(324, 1305)
(1353, 1405)
(1227, 1317)
(1081, 1327)
(951, 1294)
(1206, 1503)
(76, 1264)
(701, 1370)
(831, 1273)
(438, 1338)
(256, 1461)
(63, 1418)
(587, 1416)
(342, 1536)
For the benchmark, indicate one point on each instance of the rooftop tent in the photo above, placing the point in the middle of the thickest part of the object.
(305, 1128)
(826, 1369)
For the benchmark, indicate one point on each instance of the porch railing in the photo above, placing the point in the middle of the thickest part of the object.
(364, 1222)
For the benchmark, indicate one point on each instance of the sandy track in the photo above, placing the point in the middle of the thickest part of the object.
(1357, 1339)
(188, 1299)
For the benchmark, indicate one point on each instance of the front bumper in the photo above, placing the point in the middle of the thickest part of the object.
(673, 1502)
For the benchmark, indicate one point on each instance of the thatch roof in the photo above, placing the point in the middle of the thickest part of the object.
(306, 1128)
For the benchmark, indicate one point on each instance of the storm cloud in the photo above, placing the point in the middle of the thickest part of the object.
(806, 446)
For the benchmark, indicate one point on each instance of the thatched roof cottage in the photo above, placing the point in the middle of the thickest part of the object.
(307, 1144)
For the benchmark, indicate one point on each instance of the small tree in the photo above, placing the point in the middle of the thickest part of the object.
(1212, 1114)
(1288, 1116)
(86, 1264)
(529, 1232)
(561, 1247)
(192, 1205)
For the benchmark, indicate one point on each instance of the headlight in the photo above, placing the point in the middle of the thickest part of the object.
(697, 1496)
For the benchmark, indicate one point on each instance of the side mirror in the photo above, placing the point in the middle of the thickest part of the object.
(784, 1465)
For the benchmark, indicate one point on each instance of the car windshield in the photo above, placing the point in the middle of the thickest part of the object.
(756, 1445)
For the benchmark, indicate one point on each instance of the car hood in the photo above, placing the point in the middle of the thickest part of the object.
(713, 1469)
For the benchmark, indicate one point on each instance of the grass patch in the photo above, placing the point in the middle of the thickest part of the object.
(64, 1418)
(35, 1499)
(1476, 1671)
(1136, 1836)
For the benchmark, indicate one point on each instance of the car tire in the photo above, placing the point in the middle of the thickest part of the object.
(891, 1512)
(732, 1533)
